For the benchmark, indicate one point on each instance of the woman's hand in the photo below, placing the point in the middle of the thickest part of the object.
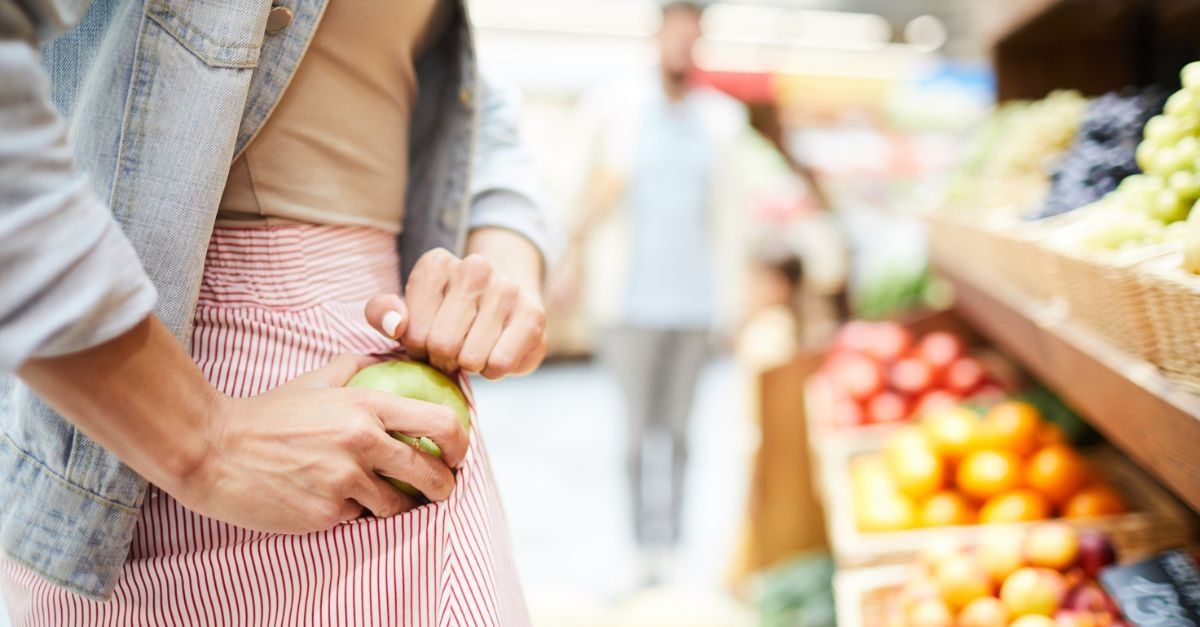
(299, 458)
(310, 453)
(465, 313)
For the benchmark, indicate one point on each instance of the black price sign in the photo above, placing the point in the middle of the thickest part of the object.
(1163, 591)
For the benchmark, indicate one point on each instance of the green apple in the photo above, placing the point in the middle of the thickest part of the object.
(418, 381)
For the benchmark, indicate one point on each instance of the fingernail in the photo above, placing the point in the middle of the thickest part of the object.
(391, 322)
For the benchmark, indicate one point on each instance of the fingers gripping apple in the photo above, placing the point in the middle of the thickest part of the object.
(422, 382)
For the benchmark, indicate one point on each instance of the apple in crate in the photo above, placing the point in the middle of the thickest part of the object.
(854, 375)
(939, 349)
(910, 376)
(418, 381)
(887, 407)
(888, 341)
(964, 375)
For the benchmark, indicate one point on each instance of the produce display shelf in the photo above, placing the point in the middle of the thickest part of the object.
(1151, 419)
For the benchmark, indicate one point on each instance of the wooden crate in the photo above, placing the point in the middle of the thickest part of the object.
(861, 594)
(1157, 521)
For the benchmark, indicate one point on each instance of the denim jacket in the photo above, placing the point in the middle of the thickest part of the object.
(160, 96)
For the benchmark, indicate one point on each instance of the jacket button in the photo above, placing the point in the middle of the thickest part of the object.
(278, 19)
(464, 96)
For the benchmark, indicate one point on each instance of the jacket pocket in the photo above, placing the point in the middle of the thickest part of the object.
(221, 33)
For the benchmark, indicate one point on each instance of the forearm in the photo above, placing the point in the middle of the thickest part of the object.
(139, 395)
(512, 256)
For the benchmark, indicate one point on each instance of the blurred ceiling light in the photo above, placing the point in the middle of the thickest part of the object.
(582, 17)
(779, 25)
(926, 32)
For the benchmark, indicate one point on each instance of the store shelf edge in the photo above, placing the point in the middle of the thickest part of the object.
(1154, 421)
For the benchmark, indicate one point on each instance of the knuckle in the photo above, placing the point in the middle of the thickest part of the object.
(537, 320)
(328, 513)
(475, 270)
(435, 259)
(444, 344)
(448, 417)
(346, 479)
(502, 363)
(361, 398)
(390, 505)
(507, 291)
(472, 362)
(437, 484)
(443, 258)
(358, 437)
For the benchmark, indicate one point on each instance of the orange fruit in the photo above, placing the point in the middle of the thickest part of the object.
(1050, 433)
(951, 431)
(984, 474)
(1057, 471)
(1010, 426)
(1001, 551)
(1097, 500)
(1015, 506)
(961, 580)
(890, 513)
(945, 508)
(919, 473)
(901, 442)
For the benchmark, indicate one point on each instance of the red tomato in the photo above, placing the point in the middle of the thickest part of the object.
(853, 336)
(939, 349)
(910, 375)
(889, 341)
(847, 413)
(935, 399)
(887, 407)
(964, 375)
(856, 376)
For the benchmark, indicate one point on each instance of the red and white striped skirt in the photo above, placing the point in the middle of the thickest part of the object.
(276, 302)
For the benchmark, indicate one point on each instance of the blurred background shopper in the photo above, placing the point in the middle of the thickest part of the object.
(660, 180)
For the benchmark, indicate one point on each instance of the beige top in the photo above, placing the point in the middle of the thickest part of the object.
(335, 150)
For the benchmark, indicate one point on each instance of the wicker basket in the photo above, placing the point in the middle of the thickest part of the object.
(1027, 264)
(1157, 521)
(1173, 299)
(1103, 294)
(1012, 252)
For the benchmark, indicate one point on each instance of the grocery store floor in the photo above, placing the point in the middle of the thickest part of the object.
(555, 438)
(556, 441)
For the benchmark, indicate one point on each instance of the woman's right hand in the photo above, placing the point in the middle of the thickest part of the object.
(310, 454)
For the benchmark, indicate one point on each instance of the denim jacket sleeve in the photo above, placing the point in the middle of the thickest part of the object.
(504, 190)
(69, 279)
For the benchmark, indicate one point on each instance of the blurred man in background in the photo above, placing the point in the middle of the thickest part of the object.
(658, 195)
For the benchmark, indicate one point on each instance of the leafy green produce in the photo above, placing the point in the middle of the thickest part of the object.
(797, 594)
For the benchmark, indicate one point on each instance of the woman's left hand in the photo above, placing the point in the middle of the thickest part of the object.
(462, 313)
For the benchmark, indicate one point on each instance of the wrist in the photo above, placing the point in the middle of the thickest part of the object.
(188, 463)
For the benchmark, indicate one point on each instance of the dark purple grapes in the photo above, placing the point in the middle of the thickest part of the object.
(1102, 153)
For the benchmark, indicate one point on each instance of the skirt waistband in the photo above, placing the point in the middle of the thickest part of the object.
(298, 266)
